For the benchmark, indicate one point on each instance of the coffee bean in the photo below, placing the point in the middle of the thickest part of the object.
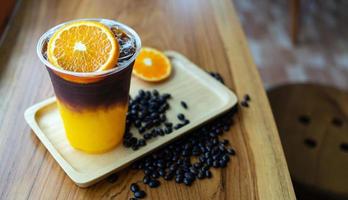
(134, 187)
(140, 194)
(178, 179)
(154, 183)
(112, 178)
(207, 173)
(135, 147)
(177, 126)
(141, 142)
(155, 93)
(246, 97)
(181, 117)
(216, 164)
(225, 158)
(244, 103)
(146, 180)
(231, 151)
(168, 124)
(187, 181)
(183, 104)
(200, 175)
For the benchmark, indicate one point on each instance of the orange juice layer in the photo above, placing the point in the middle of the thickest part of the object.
(94, 130)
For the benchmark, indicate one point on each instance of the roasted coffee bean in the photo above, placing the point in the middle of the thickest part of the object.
(222, 163)
(200, 175)
(155, 93)
(207, 173)
(225, 142)
(197, 164)
(168, 130)
(154, 183)
(135, 147)
(178, 179)
(181, 117)
(244, 103)
(146, 180)
(134, 187)
(183, 104)
(147, 172)
(112, 178)
(187, 181)
(177, 126)
(225, 158)
(216, 164)
(246, 97)
(140, 194)
(168, 124)
(141, 129)
(141, 142)
(167, 96)
(185, 122)
(168, 177)
(161, 172)
(147, 136)
(231, 151)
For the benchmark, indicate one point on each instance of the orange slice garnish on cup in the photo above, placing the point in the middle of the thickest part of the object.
(84, 46)
(152, 65)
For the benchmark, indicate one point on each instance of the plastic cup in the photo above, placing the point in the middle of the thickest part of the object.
(93, 105)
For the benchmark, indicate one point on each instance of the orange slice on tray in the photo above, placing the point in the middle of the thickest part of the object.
(84, 46)
(152, 65)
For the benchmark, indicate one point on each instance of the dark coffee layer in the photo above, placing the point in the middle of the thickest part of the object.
(110, 90)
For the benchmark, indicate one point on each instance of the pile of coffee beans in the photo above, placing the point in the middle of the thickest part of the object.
(185, 160)
(147, 113)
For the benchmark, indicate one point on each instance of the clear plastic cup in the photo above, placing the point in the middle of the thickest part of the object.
(93, 105)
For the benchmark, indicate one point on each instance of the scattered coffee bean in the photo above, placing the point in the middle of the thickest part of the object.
(140, 194)
(231, 151)
(246, 97)
(134, 187)
(146, 180)
(112, 178)
(154, 183)
(181, 117)
(178, 179)
(244, 103)
(217, 77)
(184, 104)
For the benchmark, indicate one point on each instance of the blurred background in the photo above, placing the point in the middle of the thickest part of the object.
(320, 54)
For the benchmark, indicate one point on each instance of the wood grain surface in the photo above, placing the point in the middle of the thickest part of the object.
(205, 31)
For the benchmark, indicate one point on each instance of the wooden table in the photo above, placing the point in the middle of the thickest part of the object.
(207, 32)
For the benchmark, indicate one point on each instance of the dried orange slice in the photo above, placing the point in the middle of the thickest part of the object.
(84, 46)
(152, 65)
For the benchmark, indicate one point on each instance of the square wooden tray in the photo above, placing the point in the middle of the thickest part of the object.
(205, 97)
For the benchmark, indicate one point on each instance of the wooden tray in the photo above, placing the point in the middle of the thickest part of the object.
(205, 97)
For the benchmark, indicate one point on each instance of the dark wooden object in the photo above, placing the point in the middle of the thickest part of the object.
(313, 126)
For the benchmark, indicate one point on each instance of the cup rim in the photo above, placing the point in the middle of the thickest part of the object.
(107, 22)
